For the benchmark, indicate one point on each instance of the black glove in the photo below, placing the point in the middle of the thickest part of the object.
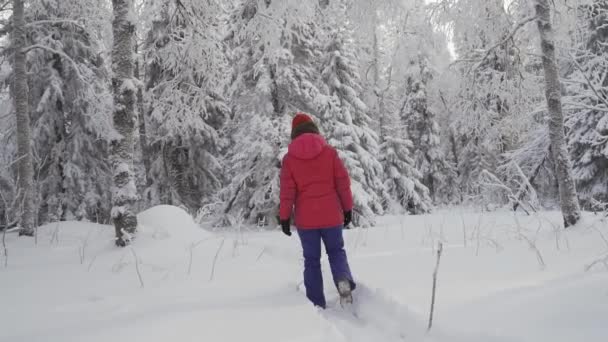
(285, 226)
(348, 217)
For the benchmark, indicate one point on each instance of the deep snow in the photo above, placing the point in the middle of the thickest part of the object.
(74, 285)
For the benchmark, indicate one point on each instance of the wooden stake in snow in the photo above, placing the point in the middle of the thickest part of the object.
(439, 251)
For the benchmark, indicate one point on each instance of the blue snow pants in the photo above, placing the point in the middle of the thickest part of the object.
(334, 246)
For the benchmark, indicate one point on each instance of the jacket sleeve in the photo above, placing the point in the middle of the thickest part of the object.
(288, 191)
(342, 181)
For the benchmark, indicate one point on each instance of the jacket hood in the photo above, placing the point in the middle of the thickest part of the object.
(307, 146)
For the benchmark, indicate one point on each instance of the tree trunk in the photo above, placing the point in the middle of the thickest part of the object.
(563, 168)
(143, 137)
(20, 96)
(124, 193)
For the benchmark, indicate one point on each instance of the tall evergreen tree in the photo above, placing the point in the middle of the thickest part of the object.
(186, 109)
(70, 97)
(345, 117)
(588, 124)
(402, 180)
(273, 48)
(423, 128)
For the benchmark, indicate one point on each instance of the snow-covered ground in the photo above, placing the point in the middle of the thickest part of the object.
(504, 277)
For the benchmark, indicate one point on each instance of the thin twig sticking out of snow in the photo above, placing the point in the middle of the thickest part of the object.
(191, 248)
(602, 260)
(91, 263)
(532, 244)
(477, 231)
(439, 251)
(261, 254)
(601, 235)
(217, 253)
(4, 248)
(141, 280)
(82, 250)
(55, 235)
(464, 230)
(7, 220)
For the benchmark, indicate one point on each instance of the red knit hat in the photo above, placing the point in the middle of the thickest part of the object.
(299, 119)
(302, 123)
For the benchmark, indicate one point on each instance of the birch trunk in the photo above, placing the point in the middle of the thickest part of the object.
(124, 194)
(20, 97)
(563, 167)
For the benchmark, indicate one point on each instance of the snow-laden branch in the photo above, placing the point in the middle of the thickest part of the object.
(60, 53)
(589, 83)
(56, 21)
(586, 106)
(510, 36)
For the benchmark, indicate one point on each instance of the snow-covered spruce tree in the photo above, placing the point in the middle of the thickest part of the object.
(8, 154)
(124, 87)
(588, 91)
(345, 120)
(186, 68)
(273, 46)
(20, 98)
(70, 100)
(423, 129)
(402, 179)
(563, 167)
(417, 46)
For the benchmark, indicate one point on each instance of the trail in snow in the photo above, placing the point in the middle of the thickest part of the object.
(374, 316)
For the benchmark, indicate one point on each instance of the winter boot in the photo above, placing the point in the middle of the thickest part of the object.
(346, 293)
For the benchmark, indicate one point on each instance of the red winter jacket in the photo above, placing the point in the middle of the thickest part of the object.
(315, 182)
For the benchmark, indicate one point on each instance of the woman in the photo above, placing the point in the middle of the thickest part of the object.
(315, 182)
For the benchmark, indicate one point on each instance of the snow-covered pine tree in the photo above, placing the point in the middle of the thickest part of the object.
(70, 100)
(274, 46)
(559, 149)
(186, 68)
(345, 120)
(124, 88)
(588, 123)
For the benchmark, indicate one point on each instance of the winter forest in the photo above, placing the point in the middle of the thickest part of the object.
(112, 107)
